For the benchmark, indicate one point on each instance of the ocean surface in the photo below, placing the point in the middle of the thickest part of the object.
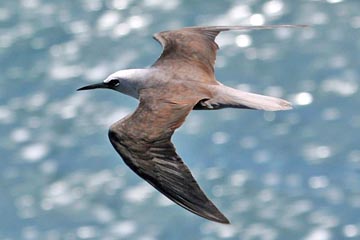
(275, 175)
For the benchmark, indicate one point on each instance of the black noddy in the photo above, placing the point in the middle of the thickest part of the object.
(182, 79)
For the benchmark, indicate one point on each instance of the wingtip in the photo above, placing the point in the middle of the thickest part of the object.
(294, 25)
(213, 214)
(224, 221)
(218, 218)
(259, 27)
(303, 25)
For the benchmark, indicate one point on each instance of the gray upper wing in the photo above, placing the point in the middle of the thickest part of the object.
(143, 141)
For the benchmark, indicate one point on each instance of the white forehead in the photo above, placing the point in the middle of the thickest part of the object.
(116, 75)
(126, 74)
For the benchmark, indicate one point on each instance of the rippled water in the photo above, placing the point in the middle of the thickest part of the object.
(284, 175)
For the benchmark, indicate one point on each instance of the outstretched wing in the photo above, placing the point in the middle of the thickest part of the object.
(194, 49)
(143, 141)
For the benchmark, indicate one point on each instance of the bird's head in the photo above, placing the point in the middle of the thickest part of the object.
(107, 83)
(124, 81)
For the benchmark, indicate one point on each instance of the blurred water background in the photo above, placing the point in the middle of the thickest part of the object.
(284, 175)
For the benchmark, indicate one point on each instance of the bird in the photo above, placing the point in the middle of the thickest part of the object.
(182, 79)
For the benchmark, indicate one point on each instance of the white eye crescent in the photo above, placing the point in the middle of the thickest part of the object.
(114, 83)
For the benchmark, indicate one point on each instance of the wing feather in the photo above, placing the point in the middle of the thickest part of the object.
(143, 140)
(193, 49)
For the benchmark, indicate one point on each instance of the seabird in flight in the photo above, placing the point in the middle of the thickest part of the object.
(182, 79)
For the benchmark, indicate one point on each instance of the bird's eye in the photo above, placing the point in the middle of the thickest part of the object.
(114, 83)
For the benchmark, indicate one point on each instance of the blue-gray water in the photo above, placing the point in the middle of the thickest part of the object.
(284, 175)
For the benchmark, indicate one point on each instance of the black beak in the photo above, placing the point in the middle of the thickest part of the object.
(93, 86)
